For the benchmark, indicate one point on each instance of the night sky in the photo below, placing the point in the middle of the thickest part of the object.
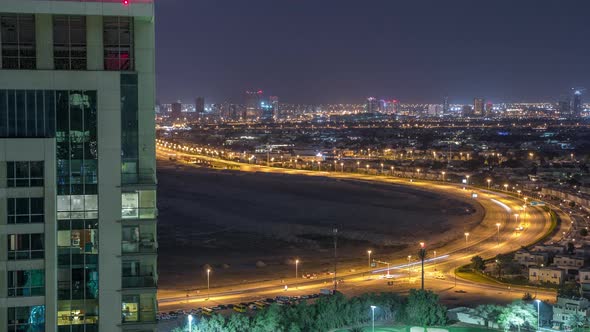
(332, 51)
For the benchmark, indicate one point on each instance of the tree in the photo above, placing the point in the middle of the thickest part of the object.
(517, 315)
(527, 297)
(583, 232)
(576, 321)
(488, 312)
(568, 289)
(477, 263)
(422, 308)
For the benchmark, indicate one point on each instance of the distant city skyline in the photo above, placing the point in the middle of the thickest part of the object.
(345, 51)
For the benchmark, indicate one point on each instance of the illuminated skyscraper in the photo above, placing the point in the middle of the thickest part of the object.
(274, 102)
(176, 111)
(577, 106)
(253, 102)
(372, 105)
(478, 106)
(77, 166)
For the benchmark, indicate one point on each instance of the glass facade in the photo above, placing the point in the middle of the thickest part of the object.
(138, 204)
(118, 43)
(77, 210)
(69, 42)
(26, 319)
(129, 129)
(26, 283)
(27, 113)
(139, 308)
(25, 210)
(18, 41)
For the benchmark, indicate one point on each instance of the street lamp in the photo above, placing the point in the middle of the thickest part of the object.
(466, 237)
(409, 271)
(498, 225)
(190, 323)
(505, 187)
(373, 311)
(381, 168)
(516, 217)
(208, 284)
(342, 167)
(443, 174)
(358, 166)
(489, 182)
(391, 170)
(538, 314)
(369, 253)
(296, 267)
(467, 177)
(422, 255)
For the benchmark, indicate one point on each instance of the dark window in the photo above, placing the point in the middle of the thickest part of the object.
(18, 41)
(69, 42)
(25, 246)
(27, 113)
(118, 43)
(25, 210)
(24, 174)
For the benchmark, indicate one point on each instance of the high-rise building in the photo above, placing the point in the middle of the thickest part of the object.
(372, 105)
(489, 109)
(274, 102)
(478, 106)
(577, 106)
(200, 105)
(176, 111)
(77, 166)
(446, 106)
(253, 103)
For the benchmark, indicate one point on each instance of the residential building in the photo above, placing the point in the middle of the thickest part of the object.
(478, 106)
(570, 263)
(528, 258)
(77, 166)
(584, 279)
(568, 307)
(200, 105)
(546, 275)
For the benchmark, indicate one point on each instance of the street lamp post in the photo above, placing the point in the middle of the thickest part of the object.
(381, 168)
(443, 176)
(358, 166)
(516, 217)
(373, 314)
(422, 255)
(466, 237)
(467, 177)
(208, 284)
(190, 323)
(391, 170)
(342, 167)
(505, 187)
(489, 183)
(409, 271)
(498, 237)
(369, 253)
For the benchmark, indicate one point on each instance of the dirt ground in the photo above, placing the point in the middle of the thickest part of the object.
(231, 220)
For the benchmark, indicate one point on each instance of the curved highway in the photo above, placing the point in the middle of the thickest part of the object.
(486, 240)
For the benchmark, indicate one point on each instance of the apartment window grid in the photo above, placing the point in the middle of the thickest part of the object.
(25, 246)
(27, 113)
(69, 42)
(28, 210)
(26, 283)
(118, 43)
(24, 174)
(27, 319)
(18, 41)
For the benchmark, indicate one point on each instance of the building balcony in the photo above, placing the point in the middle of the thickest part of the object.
(143, 178)
(146, 246)
(139, 282)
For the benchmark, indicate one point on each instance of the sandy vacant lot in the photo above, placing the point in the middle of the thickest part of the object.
(231, 220)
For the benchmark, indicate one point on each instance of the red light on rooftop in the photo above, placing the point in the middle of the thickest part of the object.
(125, 2)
